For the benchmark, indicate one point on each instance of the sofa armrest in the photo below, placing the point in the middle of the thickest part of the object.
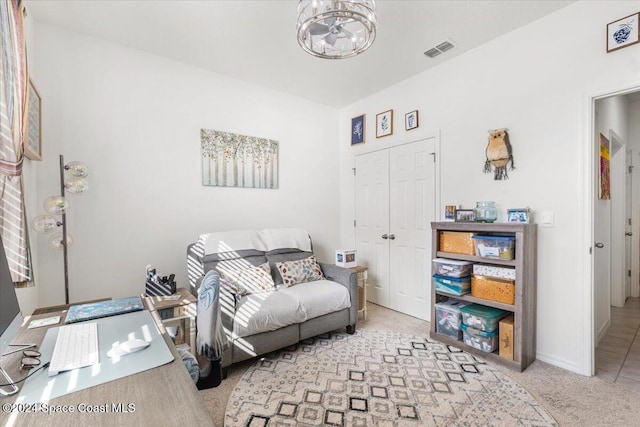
(347, 278)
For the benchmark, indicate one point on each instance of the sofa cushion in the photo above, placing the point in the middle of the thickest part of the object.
(266, 311)
(284, 255)
(249, 280)
(301, 271)
(320, 297)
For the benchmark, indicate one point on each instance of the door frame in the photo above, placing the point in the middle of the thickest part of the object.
(587, 203)
(618, 157)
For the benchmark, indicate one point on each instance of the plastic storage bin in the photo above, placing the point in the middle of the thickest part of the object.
(494, 271)
(452, 285)
(449, 319)
(452, 267)
(482, 317)
(482, 340)
(493, 289)
(457, 242)
(499, 247)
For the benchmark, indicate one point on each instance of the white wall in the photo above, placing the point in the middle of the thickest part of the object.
(135, 119)
(534, 81)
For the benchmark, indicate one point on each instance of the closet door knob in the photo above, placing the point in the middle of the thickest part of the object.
(385, 236)
(599, 245)
(392, 236)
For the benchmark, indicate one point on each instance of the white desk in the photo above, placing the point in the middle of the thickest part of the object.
(163, 396)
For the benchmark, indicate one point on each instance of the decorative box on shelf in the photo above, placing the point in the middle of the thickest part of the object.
(346, 258)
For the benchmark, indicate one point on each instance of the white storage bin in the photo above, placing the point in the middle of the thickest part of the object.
(452, 267)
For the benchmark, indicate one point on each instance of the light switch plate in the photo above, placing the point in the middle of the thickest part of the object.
(546, 219)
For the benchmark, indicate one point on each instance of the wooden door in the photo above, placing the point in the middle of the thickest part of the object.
(412, 208)
(372, 222)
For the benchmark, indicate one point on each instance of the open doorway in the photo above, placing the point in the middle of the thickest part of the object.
(616, 232)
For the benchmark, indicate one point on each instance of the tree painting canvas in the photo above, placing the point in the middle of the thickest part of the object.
(231, 160)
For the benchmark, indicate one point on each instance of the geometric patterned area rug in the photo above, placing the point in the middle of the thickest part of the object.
(380, 379)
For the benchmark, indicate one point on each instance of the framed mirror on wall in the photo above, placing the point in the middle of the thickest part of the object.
(33, 142)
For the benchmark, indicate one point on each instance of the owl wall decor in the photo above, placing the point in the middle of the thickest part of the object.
(499, 154)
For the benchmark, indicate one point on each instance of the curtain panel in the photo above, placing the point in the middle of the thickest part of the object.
(13, 119)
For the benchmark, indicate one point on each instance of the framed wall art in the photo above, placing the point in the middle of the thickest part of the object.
(384, 124)
(33, 142)
(411, 120)
(623, 32)
(357, 129)
(231, 160)
(604, 186)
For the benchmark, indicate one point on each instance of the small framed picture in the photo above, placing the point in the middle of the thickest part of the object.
(411, 120)
(384, 124)
(449, 213)
(623, 32)
(357, 129)
(518, 215)
(465, 215)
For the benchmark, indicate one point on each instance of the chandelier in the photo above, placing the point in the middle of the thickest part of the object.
(336, 29)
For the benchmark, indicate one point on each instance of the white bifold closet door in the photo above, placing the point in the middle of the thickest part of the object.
(395, 204)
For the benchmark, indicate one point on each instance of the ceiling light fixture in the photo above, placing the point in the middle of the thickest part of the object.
(336, 29)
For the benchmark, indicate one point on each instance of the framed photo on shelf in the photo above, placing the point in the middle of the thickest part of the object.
(465, 215)
(33, 141)
(411, 120)
(384, 124)
(357, 129)
(518, 215)
(623, 32)
(449, 213)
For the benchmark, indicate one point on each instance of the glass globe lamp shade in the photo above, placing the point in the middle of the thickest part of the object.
(56, 205)
(45, 223)
(56, 240)
(76, 185)
(77, 169)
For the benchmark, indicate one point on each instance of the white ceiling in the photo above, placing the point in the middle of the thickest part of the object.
(255, 41)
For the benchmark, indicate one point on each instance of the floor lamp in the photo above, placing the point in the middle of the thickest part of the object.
(56, 208)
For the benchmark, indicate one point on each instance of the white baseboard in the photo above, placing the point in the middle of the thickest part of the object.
(603, 331)
(564, 364)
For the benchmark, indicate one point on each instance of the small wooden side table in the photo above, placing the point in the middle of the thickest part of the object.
(362, 290)
(181, 310)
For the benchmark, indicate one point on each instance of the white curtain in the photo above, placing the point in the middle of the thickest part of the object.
(13, 102)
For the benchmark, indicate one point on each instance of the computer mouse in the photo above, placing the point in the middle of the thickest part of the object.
(128, 347)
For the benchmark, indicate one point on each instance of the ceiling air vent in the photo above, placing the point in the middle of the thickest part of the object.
(439, 49)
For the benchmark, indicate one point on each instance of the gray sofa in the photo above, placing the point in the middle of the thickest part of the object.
(265, 321)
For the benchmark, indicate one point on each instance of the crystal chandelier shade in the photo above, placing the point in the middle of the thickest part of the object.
(336, 29)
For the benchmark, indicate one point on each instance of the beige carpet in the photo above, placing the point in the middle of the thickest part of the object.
(573, 400)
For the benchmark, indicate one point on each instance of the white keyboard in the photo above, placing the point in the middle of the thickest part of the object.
(76, 347)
